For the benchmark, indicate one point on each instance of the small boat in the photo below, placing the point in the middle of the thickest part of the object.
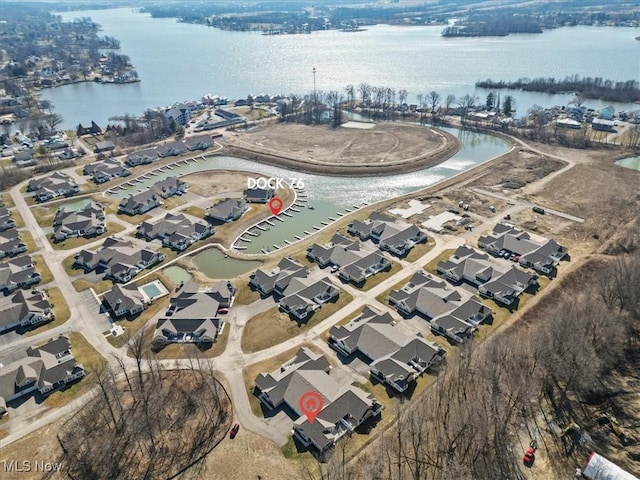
(311, 207)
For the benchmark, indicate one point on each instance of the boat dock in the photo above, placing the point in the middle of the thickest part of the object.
(260, 227)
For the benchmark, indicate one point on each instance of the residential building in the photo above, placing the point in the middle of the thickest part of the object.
(200, 142)
(179, 113)
(119, 259)
(227, 210)
(123, 301)
(397, 359)
(355, 265)
(94, 129)
(105, 170)
(170, 186)
(143, 157)
(44, 370)
(344, 407)
(176, 231)
(83, 222)
(104, 146)
(192, 316)
(18, 272)
(452, 312)
(277, 280)
(172, 149)
(539, 253)
(11, 243)
(25, 310)
(303, 296)
(258, 195)
(493, 279)
(391, 235)
(6, 221)
(139, 203)
(603, 125)
(55, 185)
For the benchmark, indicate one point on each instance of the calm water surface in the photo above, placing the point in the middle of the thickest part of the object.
(178, 61)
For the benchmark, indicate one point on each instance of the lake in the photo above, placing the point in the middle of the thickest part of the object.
(179, 61)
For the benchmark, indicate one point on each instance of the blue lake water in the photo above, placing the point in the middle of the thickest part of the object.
(178, 61)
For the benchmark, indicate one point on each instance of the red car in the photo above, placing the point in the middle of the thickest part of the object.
(530, 454)
(234, 430)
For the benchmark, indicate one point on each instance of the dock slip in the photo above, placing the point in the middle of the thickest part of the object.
(263, 250)
(276, 246)
(287, 242)
(260, 227)
(169, 167)
(287, 214)
(252, 234)
(340, 214)
(324, 223)
(297, 237)
(315, 227)
(270, 223)
(278, 218)
(240, 248)
(242, 239)
(332, 219)
(308, 233)
(347, 210)
(294, 209)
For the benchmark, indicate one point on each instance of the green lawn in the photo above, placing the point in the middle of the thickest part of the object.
(42, 267)
(7, 200)
(273, 326)
(433, 264)
(17, 218)
(27, 239)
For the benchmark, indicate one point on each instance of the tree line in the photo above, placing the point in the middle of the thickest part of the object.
(589, 87)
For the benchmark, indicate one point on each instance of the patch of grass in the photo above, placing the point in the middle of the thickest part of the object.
(172, 202)
(273, 326)
(43, 215)
(27, 239)
(89, 357)
(251, 372)
(381, 277)
(42, 267)
(420, 250)
(195, 211)
(382, 298)
(60, 310)
(82, 284)
(245, 294)
(433, 264)
(7, 200)
(17, 218)
(325, 335)
(112, 229)
(134, 219)
(70, 266)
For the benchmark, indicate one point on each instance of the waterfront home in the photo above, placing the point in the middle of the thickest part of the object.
(278, 279)
(172, 149)
(93, 129)
(200, 142)
(143, 157)
(391, 235)
(18, 272)
(493, 279)
(192, 316)
(176, 231)
(397, 358)
(123, 300)
(258, 195)
(227, 210)
(11, 243)
(180, 114)
(303, 296)
(83, 222)
(104, 170)
(603, 125)
(452, 312)
(136, 204)
(170, 186)
(6, 221)
(344, 407)
(45, 369)
(119, 260)
(55, 185)
(25, 310)
(534, 251)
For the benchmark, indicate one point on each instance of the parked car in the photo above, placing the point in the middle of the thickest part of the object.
(512, 257)
(234, 430)
(335, 268)
(501, 253)
(506, 254)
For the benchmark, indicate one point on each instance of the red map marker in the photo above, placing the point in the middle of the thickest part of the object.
(275, 204)
(311, 405)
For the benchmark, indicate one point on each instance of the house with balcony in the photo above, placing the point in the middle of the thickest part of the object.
(104, 146)
(303, 296)
(503, 283)
(200, 142)
(227, 210)
(180, 113)
(172, 149)
(396, 358)
(170, 186)
(25, 310)
(344, 407)
(123, 301)
(389, 234)
(452, 312)
(87, 221)
(142, 157)
(139, 203)
(10, 243)
(534, 251)
(193, 314)
(118, 259)
(176, 231)
(19, 272)
(258, 195)
(6, 221)
(277, 280)
(44, 370)
(104, 170)
(57, 184)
